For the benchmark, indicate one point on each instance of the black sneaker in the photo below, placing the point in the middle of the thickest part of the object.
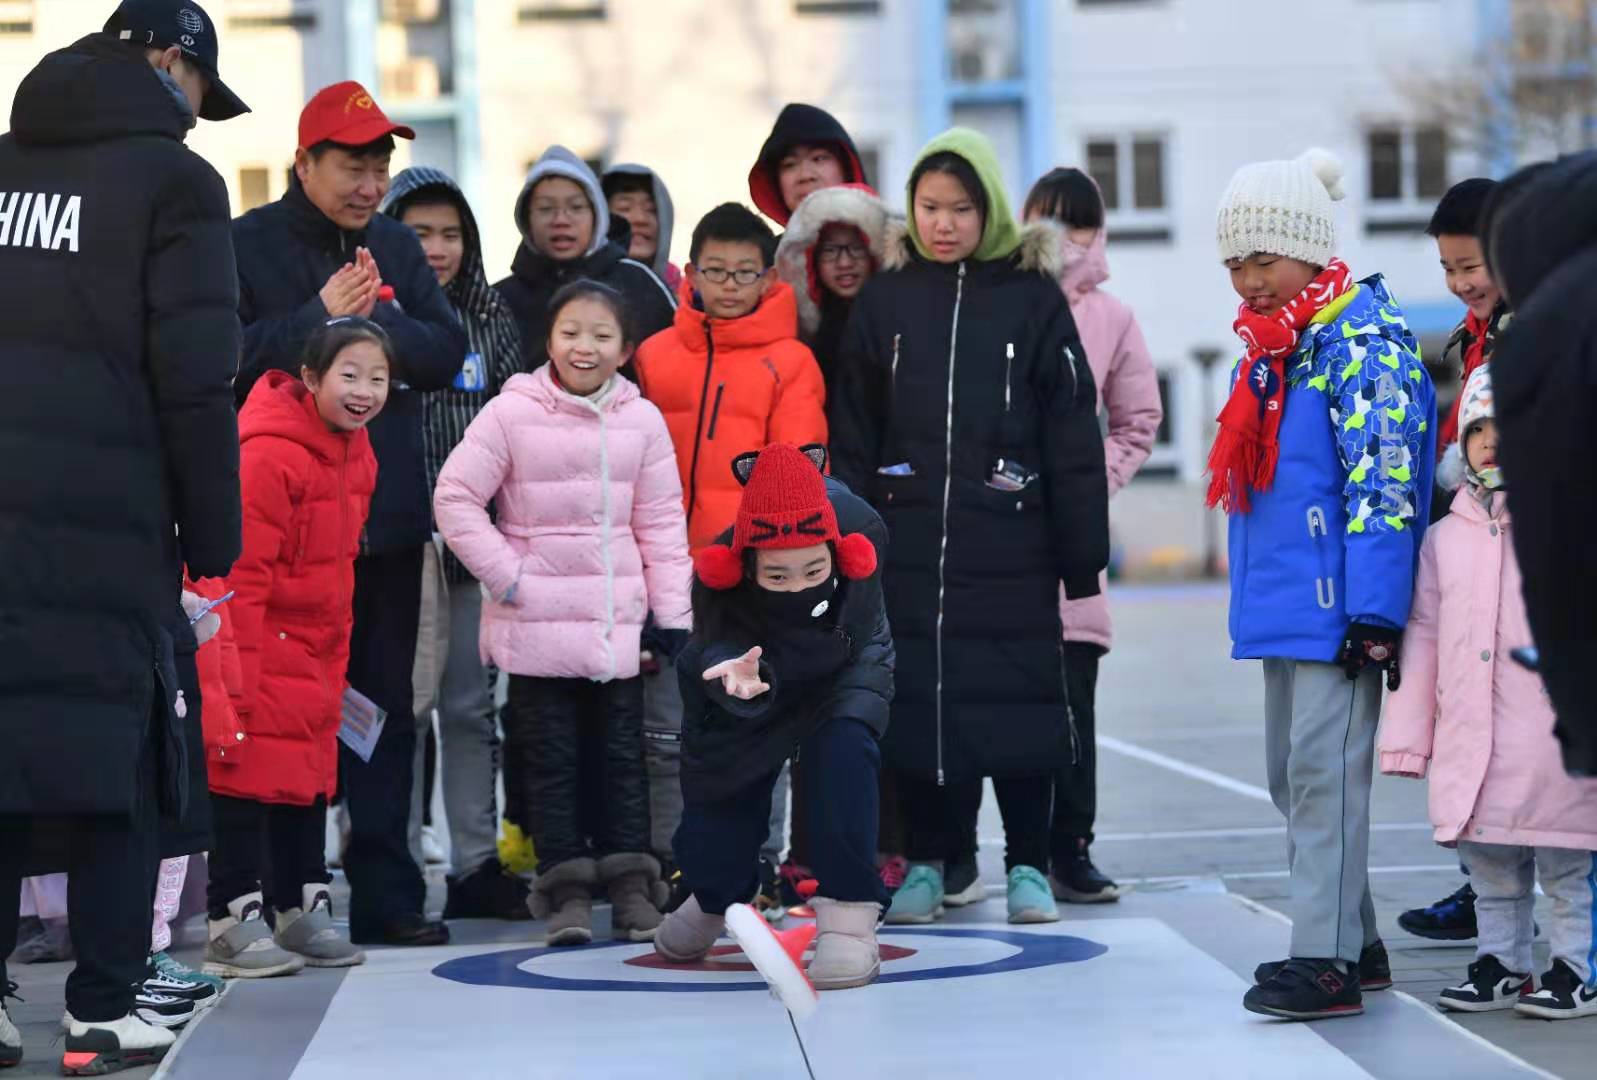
(1375, 969)
(1562, 996)
(962, 883)
(162, 1010)
(1490, 987)
(1308, 990)
(1451, 919)
(410, 930)
(201, 993)
(1076, 880)
(488, 892)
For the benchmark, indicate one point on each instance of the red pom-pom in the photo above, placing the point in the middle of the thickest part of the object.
(385, 294)
(718, 567)
(856, 556)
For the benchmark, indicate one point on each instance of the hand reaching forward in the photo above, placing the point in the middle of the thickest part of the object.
(740, 678)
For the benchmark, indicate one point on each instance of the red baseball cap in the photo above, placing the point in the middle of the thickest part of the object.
(347, 114)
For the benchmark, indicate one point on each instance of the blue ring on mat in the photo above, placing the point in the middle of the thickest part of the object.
(503, 968)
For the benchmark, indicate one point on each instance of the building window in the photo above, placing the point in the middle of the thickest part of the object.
(1130, 170)
(270, 15)
(1164, 460)
(412, 11)
(837, 7)
(560, 11)
(870, 159)
(254, 187)
(983, 41)
(1407, 172)
(16, 17)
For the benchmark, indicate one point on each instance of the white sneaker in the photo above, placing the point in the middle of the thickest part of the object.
(10, 1037)
(431, 849)
(110, 1046)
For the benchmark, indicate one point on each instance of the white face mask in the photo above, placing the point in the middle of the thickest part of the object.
(1490, 478)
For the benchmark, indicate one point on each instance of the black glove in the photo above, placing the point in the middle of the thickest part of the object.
(1365, 645)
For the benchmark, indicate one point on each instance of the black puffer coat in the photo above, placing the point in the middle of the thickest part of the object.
(946, 369)
(726, 743)
(118, 439)
(286, 252)
(1543, 252)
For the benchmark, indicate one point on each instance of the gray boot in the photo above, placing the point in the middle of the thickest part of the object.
(845, 950)
(631, 878)
(308, 931)
(564, 895)
(241, 945)
(687, 933)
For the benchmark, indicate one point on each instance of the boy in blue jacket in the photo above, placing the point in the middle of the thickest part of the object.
(1323, 462)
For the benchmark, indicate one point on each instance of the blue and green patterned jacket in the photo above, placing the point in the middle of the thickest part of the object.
(1337, 537)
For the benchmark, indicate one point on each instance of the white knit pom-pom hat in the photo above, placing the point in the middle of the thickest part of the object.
(1282, 208)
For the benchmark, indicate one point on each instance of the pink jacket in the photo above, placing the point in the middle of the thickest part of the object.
(1479, 722)
(590, 534)
(1128, 390)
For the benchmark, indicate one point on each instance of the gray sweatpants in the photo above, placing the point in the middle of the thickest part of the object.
(1504, 877)
(1319, 740)
(450, 677)
(662, 755)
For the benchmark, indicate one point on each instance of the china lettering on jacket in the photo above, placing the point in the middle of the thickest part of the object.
(39, 220)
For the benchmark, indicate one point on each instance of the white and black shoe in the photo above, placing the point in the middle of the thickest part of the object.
(1490, 988)
(10, 1037)
(1562, 996)
(108, 1047)
(170, 984)
(162, 1010)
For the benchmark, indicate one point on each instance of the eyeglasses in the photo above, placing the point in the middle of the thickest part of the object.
(573, 211)
(716, 275)
(830, 253)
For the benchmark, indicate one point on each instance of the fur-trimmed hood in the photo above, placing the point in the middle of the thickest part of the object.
(1041, 250)
(849, 204)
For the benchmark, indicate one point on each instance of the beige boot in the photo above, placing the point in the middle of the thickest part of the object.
(845, 950)
(630, 878)
(564, 896)
(687, 933)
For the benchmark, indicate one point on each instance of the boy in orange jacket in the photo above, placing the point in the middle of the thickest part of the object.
(730, 376)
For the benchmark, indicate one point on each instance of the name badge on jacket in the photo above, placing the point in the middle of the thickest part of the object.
(472, 375)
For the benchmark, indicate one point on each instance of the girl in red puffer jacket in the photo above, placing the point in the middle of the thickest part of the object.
(308, 473)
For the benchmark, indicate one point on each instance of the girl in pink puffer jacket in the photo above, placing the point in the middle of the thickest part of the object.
(1128, 397)
(589, 536)
(1482, 726)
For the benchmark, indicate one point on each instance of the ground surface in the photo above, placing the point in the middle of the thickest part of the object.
(1146, 987)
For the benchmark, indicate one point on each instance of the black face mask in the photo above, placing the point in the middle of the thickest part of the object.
(800, 632)
(793, 612)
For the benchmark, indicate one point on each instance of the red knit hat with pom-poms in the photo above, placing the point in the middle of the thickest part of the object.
(784, 505)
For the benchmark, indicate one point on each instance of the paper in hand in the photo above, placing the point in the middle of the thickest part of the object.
(362, 723)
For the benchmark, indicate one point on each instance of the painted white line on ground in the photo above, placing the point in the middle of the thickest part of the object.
(1480, 1040)
(1176, 765)
(1216, 834)
(1252, 875)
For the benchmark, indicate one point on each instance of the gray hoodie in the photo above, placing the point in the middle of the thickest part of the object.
(558, 161)
(662, 208)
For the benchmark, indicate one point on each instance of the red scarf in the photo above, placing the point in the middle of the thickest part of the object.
(1247, 447)
(1474, 357)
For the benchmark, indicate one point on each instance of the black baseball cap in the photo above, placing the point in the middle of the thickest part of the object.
(162, 24)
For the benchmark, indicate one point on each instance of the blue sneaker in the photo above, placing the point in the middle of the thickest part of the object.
(920, 898)
(1450, 919)
(169, 967)
(1030, 898)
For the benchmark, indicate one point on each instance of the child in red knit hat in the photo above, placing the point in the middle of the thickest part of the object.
(790, 652)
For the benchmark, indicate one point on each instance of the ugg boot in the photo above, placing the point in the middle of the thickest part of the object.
(631, 878)
(845, 951)
(563, 894)
(687, 933)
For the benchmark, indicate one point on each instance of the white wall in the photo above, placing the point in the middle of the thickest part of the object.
(1189, 68)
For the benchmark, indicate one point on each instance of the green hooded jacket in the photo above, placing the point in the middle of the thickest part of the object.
(1000, 235)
